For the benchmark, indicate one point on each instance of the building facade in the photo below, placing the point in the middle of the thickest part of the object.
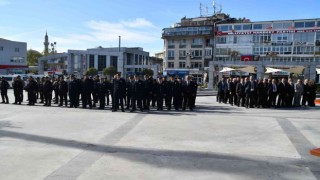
(13, 57)
(127, 61)
(287, 44)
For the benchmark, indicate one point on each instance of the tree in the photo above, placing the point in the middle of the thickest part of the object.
(111, 71)
(148, 71)
(32, 57)
(92, 72)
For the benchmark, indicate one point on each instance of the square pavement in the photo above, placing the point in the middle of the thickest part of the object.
(216, 141)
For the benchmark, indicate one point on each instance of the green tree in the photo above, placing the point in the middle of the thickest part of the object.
(148, 71)
(32, 57)
(92, 72)
(111, 71)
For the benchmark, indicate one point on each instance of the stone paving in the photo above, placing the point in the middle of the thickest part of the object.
(216, 141)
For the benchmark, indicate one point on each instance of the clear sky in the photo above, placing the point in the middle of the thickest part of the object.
(82, 24)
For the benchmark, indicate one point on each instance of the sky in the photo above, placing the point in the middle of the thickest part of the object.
(83, 24)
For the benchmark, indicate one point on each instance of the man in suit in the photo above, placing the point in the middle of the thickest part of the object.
(282, 91)
(233, 94)
(298, 90)
(273, 93)
(119, 92)
(240, 90)
(250, 90)
(138, 93)
(189, 91)
(221, 86)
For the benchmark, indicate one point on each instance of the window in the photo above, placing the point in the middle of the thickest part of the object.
(197, 53)
(264, 38)
(182, 53)
(299, 24)
(170, 53)
(221, 39)
(237, 27)
(170, 42)
(318, 23)
(140, 59)
(309, 24)
(129, 59)
(170, 64)
(246, 27)
(304, 37)
(114, 61)
(257, 26)
(267, 26)
(282, 38)
(208, 52)
(91, 60)
(182, 42)
(1, 48)
(225, 28)
(196, 65)
(197, 41)
(136, 59)
(102, 62)
(16, 49)
(182, 64)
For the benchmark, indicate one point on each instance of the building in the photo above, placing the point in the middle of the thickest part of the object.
(188, 46)
(290, 45)
(13, 57)
(127, 61)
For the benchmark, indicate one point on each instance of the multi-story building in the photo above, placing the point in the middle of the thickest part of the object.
(290, 45)
(127, 61)
(13, 57)
(188, 46)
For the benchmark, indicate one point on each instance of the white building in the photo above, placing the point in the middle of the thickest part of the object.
(13, 57)
(127, 61)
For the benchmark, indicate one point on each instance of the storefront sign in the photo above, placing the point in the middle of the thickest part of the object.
(220, 33)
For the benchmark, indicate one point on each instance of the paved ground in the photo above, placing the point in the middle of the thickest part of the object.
(216, 141)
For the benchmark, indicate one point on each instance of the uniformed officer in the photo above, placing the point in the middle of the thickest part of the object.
(96, 89)
(47, 91)
(177, 94)
(148, 83)
(87, 89)
(138, 93)
(169, 93)
(55, 83)
(119, 87)
(63, 92)
(4, 86)
(31, 88)
(161, 93)
(129, 91)
(17, 86)
(189, 91)
(73, 87)
(102, 88)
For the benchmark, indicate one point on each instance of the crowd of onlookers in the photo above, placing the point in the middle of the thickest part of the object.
(266, 93)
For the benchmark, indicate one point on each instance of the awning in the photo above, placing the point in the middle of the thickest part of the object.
(272, 70)
(227, 69)
(318, 70)
(249, 69)
(296, 70)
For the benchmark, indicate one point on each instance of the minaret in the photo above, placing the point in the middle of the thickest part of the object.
(46, 44)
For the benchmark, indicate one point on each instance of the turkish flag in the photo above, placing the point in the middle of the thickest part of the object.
(246, 58)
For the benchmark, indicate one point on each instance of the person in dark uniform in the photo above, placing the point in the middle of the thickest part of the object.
(102, 91)
(169, 93)
(233, 94)
(221, 86)
(87, 89)
(47, 91)
(31, 88)
(154, 92)
(313, 91)
(17, 86)
(107, 84)
(119, 87)
(306, 92)
(73, 87)
(240, 90)
(282, 91)
(95, 92)
(138, 93)
(40, 89)
(273, 92)
(160, 93)
(148, 83)
(55, 83)
(4, 86)
(189, 93)
(290, 89)
(177, 94)
(262, 93)
(227, 91)
(130, 91)
(250, 90)
(63, 92)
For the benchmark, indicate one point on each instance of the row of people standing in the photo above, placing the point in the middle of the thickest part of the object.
(264, 93)
(133, 93)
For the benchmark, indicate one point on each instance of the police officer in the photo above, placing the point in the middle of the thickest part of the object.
(73, 87)
(119, 87)
(55, 83)
(109, 89)
(169, 93)
(31, 88)
(4, 86)
(161, 90)
(130, 91)
(96, 89)
(148, 83)
(189, 91)
(40, 89)
(17, 86)
(63, 92)
(87, 89)
(102, 91)
(177, 94)
(138, 93)
(240, 90)
(47, 91)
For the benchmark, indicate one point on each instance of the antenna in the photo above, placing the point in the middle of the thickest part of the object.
(214, 7)
(200, 9)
